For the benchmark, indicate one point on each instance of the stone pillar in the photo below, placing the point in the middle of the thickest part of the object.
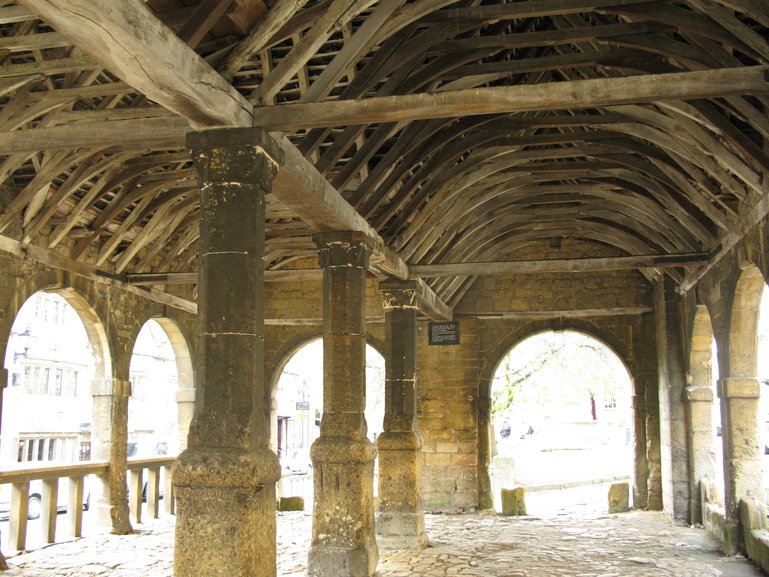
(225, 480)
(343, 540)
(185, 409)
(699, 416)
(400, 520)
(742, 442)
(109, 437)
(640, 462)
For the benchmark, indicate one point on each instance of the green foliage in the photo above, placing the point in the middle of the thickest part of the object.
(565, 369)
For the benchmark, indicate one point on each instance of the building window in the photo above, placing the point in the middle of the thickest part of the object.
(85, 451)
(51, 449)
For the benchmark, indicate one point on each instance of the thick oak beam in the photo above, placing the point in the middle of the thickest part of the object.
(69, 265)
(129, 40)
(575, 94)
(558, 314)
(175, 278)
(558, 265)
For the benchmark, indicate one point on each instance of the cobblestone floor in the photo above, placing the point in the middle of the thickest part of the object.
(573, 541)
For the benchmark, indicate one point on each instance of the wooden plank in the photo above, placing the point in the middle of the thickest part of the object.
(56, 261)
(531, 9)
(75, 505)
(338, 12)
(15, 14)
(281, 12)
(126, 38)
(500, 100)
(17, 528)
(47, 67)
(49, 509)
(153, 492)
(135, 487)
(557, 314)
(202, 19)
(360, 43)
(140, 133)
(27, 42)
(558, 265)
(174, 278)
(8, 85)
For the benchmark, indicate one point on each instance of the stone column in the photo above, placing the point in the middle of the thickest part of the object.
(343, 540)
(109, 438)
(699, 418)
(225, 479)
(400, 520)
(742, 442)
(640, 462)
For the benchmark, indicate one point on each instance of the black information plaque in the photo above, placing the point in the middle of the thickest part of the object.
(444, 333)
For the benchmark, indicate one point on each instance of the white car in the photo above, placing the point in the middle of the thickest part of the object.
(36, 498)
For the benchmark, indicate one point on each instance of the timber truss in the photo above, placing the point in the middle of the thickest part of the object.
(455, 134)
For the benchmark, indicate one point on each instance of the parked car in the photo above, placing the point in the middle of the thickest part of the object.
(36, 498)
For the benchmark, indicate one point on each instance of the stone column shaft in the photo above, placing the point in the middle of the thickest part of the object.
(640, 462)
(343, 539)
(225, 479)
(110, 443)
(400, 516)
(742, 442)
(701, 456)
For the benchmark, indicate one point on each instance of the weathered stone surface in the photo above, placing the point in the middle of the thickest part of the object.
(291, 504)
(343, 534)
(514, 501)
(619, 498)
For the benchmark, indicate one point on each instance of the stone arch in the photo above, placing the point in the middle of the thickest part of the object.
(489, 368)
(285, 354)
(700, 395)
(743, 323)
(739, 391)
(185, 371)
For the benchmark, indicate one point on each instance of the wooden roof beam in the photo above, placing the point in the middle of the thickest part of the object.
(574, 94)
(599, 264)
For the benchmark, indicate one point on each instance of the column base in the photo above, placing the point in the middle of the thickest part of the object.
(343, 537)
(225, 521)
(400, 518)
(111, 512)
(396, 530)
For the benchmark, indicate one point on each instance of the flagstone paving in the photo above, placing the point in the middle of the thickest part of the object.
(567, 541)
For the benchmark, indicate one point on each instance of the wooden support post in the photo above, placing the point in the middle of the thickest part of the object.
(17, 530)
(75, 506)
(49, 509)
(135, 494)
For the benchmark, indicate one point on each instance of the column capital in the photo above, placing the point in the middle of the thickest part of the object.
(343, 248)
(233, 155)
(399, 294)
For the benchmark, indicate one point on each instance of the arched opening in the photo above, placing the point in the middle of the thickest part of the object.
(56, 355)
(704, 412)
(740, 392)
(297, 408)
(162, 391)
(560, 418)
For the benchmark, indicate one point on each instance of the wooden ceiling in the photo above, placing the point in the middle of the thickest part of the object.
(462, 132)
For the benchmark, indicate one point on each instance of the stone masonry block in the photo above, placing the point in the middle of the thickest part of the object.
(514, 501)
(619, 498)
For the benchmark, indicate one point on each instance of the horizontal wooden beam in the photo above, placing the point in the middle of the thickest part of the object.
(556, 314)
(176, 278)
(142, 133)
(126, 38)
(60, 262)
(574, 94)
(558, 265)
